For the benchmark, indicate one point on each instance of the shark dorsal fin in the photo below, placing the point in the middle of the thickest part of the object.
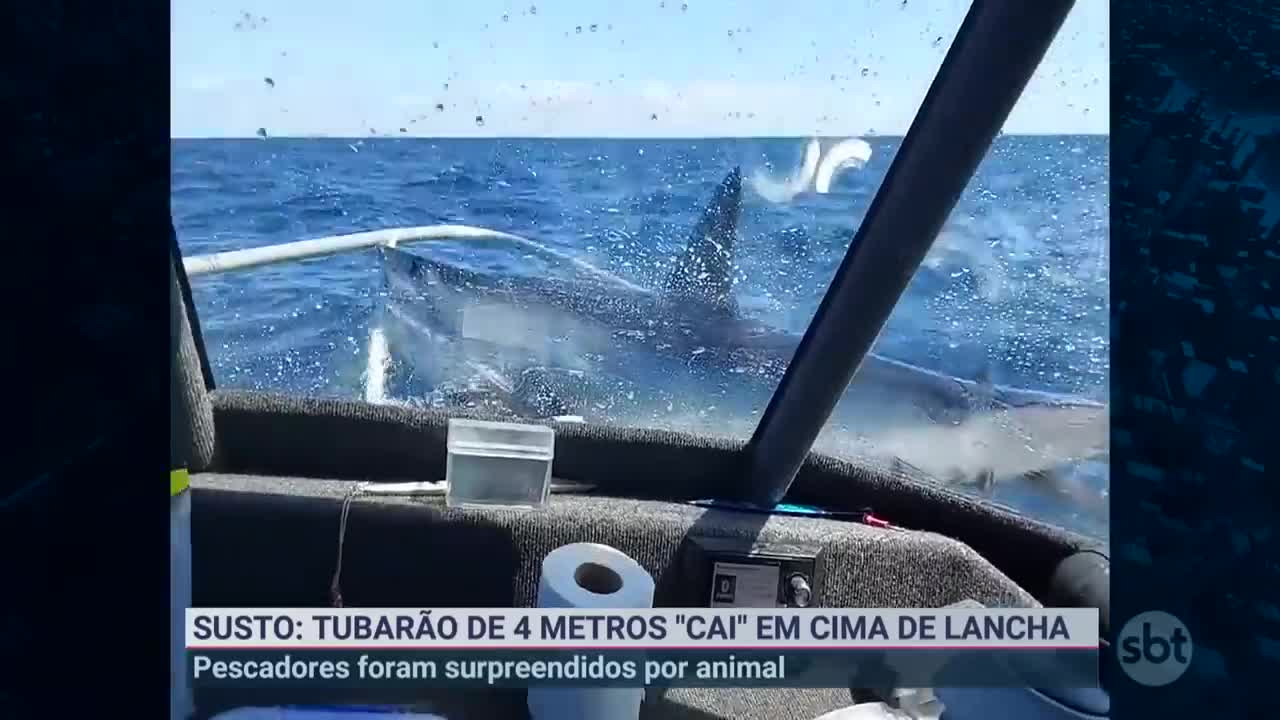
(703, 274)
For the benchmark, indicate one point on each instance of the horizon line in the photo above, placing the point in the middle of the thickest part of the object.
(398, 136)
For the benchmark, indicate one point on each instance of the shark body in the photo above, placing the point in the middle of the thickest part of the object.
(544, 347)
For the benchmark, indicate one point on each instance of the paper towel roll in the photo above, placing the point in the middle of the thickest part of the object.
(590, 575)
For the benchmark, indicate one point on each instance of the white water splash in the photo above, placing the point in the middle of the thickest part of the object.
(851, 153)
(375, 374)
(782, 191)
(817, 171)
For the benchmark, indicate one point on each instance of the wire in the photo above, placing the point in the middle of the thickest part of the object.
(335, 585)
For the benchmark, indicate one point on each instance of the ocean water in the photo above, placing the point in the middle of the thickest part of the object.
(1016, 285)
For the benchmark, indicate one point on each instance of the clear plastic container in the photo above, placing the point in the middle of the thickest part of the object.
(498, 464)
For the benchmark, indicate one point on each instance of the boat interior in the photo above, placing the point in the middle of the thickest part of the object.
(272, 475)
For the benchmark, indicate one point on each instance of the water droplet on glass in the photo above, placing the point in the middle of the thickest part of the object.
(505, 17)
(533, 9)
(866, 72)
(479, 121)
(578, 29)
(593, 27)
(684, 6)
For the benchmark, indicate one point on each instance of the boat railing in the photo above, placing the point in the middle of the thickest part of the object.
(221, 262)
(247, 258)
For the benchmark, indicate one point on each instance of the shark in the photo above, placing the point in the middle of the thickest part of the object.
(590, 346)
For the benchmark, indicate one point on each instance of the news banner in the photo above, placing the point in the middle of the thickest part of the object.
(668, 647)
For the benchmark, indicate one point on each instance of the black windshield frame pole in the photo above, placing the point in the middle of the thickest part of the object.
(996, 51)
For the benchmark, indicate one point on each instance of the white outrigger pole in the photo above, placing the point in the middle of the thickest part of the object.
(379, 353)
(215, 263)
(320, 247)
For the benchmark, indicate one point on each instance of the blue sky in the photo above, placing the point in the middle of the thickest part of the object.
(630, 68)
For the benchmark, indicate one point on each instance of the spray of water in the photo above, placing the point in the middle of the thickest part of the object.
(782, 191)
(851, 153)
(817, 171)
(379, 361)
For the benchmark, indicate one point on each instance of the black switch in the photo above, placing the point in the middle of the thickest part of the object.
(799, 594)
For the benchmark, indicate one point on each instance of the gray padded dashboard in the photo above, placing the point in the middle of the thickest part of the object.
(272, 541)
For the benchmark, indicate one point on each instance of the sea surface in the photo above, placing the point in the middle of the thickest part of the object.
(1016, 286)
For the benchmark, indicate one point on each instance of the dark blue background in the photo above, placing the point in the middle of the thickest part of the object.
(1194, 467)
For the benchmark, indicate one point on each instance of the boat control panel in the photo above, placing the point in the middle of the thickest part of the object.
(731, 573)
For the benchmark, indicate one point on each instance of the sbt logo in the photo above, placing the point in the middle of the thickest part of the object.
(1154, 648)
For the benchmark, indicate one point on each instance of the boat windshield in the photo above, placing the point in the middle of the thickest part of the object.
(627, 214)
